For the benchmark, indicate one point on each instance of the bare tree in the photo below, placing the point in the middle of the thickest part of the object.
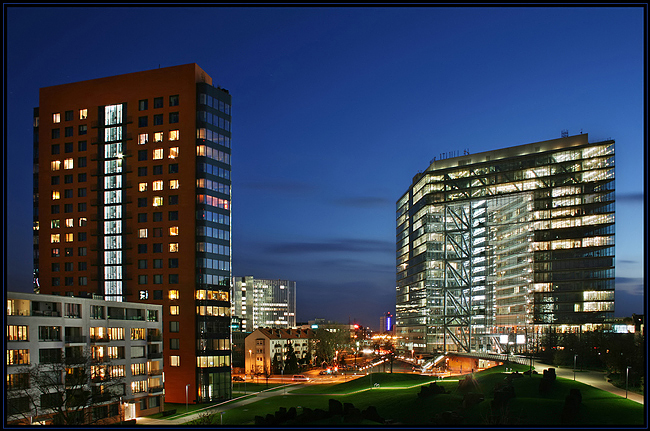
(75, 388)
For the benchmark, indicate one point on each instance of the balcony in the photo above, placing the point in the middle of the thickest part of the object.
(97, 339)
(154, 389)
(154, 355)
(71, 339)
(157, 372)
(154, 337)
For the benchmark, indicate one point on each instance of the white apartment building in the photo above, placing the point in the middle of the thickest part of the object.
(45, 328)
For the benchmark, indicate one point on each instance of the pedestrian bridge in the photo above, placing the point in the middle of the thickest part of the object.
(429, 364)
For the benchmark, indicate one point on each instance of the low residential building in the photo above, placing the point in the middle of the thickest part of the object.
(266, 344)
(49, 328)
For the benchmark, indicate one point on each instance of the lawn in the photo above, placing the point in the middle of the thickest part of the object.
(395, 397)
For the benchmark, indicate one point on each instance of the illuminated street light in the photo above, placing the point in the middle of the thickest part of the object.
(627, 374)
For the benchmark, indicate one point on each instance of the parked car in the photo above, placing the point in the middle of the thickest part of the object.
(299, 378)
(237, 379)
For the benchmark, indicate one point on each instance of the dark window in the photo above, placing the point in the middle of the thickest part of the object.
(68, 179)
(56, 267)
(81, 178)
(142, 248)
(68, 115)
(157, 170)
(173, 200)
(68, 147)
(173, 215)
(142, 217)
(157, 294)
(67, 208)
(143, 105)
(83, 129)
(81, 192)
(157, 247)
(56, 133)
(157, 263)
(56, 281)
(56, 149)
(157, 232)
(81, 236)
(81, 206)
(174, 343)
(69, 281)
(173, 262)
(173, 117)
(142, 171)
(68, 252)
(173, 100)
(157, 120)
(158, 102)
(68, 132)
(68, 266)
(83, 251)
(157, 279)
(67, 193)
(174, 326)
(142, 264)
(82, 266)
(54, 209)
(55, 180)
(142, 155)
(82, 162)
(157, 216)
(82, 145)
(173, 278)
(83, 281)
(173, 168)
(142, 202)
(142, 279)
(142, 121)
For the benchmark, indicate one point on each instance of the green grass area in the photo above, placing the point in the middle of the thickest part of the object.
(396, 398)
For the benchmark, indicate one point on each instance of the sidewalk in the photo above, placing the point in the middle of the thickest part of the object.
(181, 418)
(597, 379)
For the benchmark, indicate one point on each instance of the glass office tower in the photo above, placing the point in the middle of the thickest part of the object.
(497, 248)
(132, 197)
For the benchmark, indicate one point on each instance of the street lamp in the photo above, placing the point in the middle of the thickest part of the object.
(575, 358)
(187, 386)
(627, 374)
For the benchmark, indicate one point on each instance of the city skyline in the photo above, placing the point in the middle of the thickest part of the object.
(336, 109)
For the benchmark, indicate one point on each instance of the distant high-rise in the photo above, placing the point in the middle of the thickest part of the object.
(496, 249)
(132, 203)
(263, 303)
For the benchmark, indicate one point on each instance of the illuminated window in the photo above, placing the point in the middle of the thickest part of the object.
(83, 221)
(69, 222)
(56, 165)
(157, 201)
(56, 195)
(174, 310)
(173, 184)
(56, 117)
(158, 154)
(175, 361)
(68, 163)
(143, 138)
(142, 187)
(55, 237)
(142, 233)
(173, 152)
(69, 237)
(173, 294)
(158, 137)
(173, 247)
(83, 114)
(174, 135)
(173, 231)
(158, 185)
(54, 224)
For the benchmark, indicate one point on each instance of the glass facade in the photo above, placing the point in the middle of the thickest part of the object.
(263, 303)
(213, 257)
(497, 248)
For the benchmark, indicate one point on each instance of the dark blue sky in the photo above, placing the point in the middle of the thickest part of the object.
(336, 109)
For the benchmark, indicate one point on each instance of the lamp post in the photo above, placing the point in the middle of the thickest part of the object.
(187, 387)
(250, 359)
(575, 359)
(627, 374)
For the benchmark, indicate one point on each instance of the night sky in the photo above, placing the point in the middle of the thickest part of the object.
(336, 109)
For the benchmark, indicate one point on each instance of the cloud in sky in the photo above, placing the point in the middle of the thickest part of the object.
(633, 198)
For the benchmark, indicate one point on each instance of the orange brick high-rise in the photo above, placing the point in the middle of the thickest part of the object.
(132, 203)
